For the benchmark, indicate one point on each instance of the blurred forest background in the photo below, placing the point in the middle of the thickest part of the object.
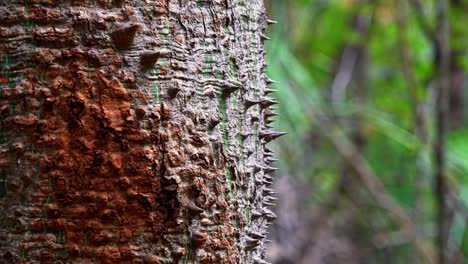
(374, 168)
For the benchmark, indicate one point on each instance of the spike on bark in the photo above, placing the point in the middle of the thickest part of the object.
(269, 113)
(251, 243)
(268, 122)
(265, 168)
(270, 160)
(268, 214)
(213, 123)
(124, 36)
(228, 88)
(267, 182)
(257, 168)
(269, 135)
(172, 92)
(267, 102)
(148, 59)
(255, 214)
(194, 209)
(264, 37)
(256, 235)
(268, 191)
(267, 177)
(267, 150)
(269, 91)
(198, 238)
(258, 180)
(271, 22)
(270, 81)
(269, 169)
(249, 103)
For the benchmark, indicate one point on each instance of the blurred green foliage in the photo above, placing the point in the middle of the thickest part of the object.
(305, 55)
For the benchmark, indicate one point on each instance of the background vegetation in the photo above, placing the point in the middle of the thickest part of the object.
(374, 168)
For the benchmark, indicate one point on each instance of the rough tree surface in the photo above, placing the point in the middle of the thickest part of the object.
(133, 131)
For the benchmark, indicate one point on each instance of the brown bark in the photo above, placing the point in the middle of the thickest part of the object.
(133, 131)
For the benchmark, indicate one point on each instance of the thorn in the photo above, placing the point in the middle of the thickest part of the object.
(267, 177)
(255, 214)
(257, 168)
(269, 91)
(268, 203)
(268, 191)
(269, 113)
(251, 243)
(269, 215)
(228, 87)
(270, 160)
(271, 22)
(258, 180)
(270, 81)
(148, 59)
(266, 102)
(265, 168)
(267, 182)
(213, 123)
(123, 37)
(270, 198)
(264, 37)
(193, 208)
(269, 135)
(269, 169)
(249, 103)
(257, 235)
(172, 91)
(227, 90)
(267, 150)
(197, 238)
(268, 122)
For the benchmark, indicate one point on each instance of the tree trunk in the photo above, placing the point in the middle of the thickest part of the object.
(133, 131)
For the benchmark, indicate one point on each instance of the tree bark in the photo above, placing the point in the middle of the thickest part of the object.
(134, 131)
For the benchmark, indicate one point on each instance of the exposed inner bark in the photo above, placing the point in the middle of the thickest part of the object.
(133, 131)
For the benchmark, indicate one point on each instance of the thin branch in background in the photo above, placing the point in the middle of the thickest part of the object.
(344, 74)
(405, 55)
(422, 20)
(441, 185)
(401, 237)
(349, 59)
(418, 106)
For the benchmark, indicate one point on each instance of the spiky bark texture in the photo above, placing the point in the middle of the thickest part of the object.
(133, 131)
